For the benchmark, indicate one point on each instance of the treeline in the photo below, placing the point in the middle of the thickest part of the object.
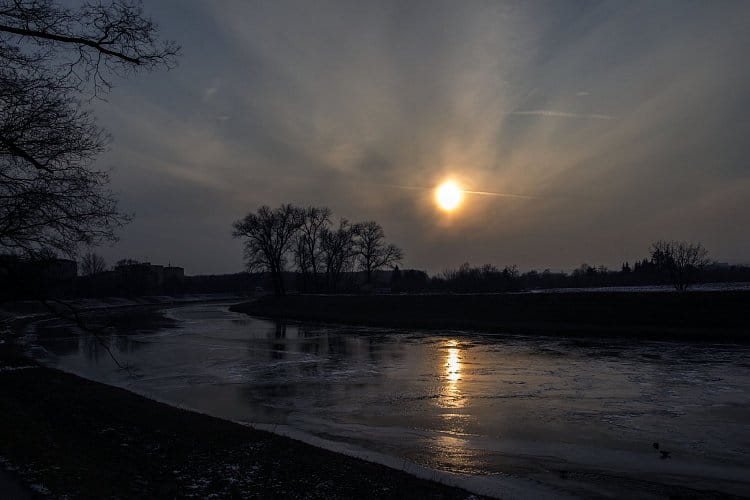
(323, 256)
(675, 263)
(315, 255)
(130, 277)
(488, 278)
(309, 242)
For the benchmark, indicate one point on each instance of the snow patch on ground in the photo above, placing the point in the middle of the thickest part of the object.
(15, 368)
(496, 485)
(702, 287)
(39, 488)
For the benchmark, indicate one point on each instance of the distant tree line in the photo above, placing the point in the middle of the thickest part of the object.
(322, 257)
(310, 242)
(675, 263)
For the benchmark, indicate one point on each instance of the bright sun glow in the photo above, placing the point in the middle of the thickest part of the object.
(448, 195)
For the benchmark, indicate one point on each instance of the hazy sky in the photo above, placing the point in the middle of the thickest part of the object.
(623, 122)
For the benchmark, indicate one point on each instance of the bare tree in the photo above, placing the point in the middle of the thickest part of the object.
(52, 197)
(680, 260)
(337, 252)
(269, 237)
(372, 251)
(92, 263)
(51, 194)
(81, 48)
(307, 249)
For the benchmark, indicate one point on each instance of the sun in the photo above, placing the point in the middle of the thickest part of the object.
(448, 196)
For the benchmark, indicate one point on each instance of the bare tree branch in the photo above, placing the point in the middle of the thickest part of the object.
(269, 236)
(51, 195)
(680, 260)
(372, 251)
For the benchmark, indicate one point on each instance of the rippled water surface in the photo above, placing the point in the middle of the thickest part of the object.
(477, 404)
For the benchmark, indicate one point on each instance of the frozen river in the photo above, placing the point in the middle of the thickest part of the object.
(576, 416)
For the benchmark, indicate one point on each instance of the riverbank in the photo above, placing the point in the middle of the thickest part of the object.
(66, 436)
(71, 437)
(696, 316)
(24, 308)
(576, 416)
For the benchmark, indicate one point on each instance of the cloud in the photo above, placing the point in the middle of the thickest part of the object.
(210, 92)
(335, 103)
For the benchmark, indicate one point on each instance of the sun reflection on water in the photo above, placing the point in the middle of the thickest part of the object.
(453, 365)
(450, 446)
(451, 396)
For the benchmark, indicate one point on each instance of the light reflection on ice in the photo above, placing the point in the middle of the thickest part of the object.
(465, 403)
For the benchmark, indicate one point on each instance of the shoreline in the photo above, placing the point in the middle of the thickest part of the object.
(66, 435)
(75, 456)
(505, 488)
(715, 317)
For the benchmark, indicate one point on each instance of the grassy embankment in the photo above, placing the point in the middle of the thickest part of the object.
(82, 439)
(702, 316)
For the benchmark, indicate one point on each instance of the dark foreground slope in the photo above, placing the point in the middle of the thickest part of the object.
(706, 316)
(82, 439)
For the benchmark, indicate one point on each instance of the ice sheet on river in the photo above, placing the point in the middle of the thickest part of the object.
(570, 415)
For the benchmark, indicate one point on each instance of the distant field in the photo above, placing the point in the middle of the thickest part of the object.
(706, 316)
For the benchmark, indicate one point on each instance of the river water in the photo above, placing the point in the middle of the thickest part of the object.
(576, 416)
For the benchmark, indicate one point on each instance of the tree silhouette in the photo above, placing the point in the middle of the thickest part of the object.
(680, 260)
(371, 249)
(269, 235)
(51, 194)
(307, 250)
(337, 251)
(92, 263)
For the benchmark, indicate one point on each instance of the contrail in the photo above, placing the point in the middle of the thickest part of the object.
(491, 193)
(481, 193)
(360, 181)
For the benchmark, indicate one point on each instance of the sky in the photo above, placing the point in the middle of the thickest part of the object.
(619, 123)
